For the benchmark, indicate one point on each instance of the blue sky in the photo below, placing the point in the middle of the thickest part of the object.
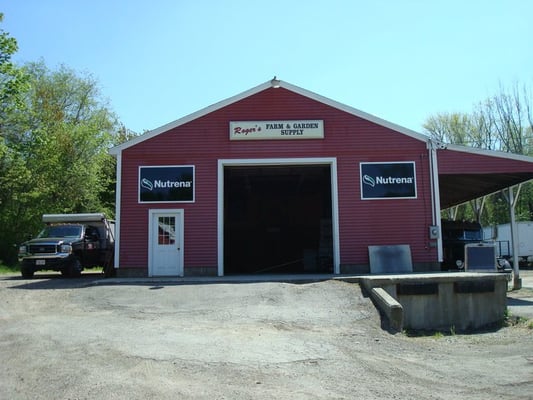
(403, 61)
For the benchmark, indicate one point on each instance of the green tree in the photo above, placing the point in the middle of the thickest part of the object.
(61, 142)
(503, 122)
(70, 130)
(13, 81)
(453, 128)
(13, 172)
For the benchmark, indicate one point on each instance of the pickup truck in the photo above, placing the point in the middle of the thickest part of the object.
(69, 243)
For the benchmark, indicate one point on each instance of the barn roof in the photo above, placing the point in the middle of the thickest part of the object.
(465, 173)
(269, 85)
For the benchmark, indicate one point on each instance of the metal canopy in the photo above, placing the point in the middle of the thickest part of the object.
(459, 188)
(466, 173)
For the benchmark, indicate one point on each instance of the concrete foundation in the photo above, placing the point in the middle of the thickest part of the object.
(444, 301)
(143, 272)
(392, 309)
(131, 272)
(203, 271)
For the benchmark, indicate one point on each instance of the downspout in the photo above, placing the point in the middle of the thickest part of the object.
(435, 192)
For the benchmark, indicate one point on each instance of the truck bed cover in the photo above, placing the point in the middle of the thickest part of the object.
(86, 217)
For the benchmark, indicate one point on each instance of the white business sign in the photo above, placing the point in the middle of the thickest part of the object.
(266, 130)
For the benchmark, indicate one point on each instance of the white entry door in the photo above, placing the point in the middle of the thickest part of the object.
(166, 243)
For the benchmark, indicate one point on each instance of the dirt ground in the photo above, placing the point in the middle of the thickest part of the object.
(67, 339)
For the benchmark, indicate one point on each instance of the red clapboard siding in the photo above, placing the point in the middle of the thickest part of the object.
(202, 142)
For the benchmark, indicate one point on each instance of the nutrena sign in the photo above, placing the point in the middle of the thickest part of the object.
(277, 130)
(166, 184)
(388, 180)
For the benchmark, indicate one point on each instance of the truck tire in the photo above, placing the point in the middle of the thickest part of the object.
(74, 268)
(27, 273)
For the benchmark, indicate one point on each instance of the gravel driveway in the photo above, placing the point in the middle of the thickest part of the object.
(68, 339)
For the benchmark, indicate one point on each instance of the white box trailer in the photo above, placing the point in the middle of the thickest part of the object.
(501, 234)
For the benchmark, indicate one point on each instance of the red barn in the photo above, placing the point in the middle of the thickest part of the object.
(281, 180)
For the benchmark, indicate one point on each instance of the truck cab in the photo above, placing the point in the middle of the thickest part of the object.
(455, 235)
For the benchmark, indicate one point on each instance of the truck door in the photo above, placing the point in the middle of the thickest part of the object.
(91, 244)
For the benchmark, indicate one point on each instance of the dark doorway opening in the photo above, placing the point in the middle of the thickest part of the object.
(277, 219)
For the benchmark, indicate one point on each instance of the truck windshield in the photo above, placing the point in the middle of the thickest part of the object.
(61, 231)
(463, 234)
(473, 235)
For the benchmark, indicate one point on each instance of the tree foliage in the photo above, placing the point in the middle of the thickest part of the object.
(503, 122)
(54, 150)
(65, 137)
(13, 81)
(13, 171)
(55, 132)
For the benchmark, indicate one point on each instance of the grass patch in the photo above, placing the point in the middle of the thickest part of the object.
(512, 320)
(15, 269)
(9, 269)
(435, 334)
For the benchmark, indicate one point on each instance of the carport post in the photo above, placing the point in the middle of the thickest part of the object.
(435, 192)
(512, 200)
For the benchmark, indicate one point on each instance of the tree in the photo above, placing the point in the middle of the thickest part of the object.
(450, 128)
(13, 171)
(70, 130)
(503, 122)
(60, 146)
(13, 81)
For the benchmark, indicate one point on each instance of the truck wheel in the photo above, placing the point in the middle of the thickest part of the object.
(26, 273)
(74, 268)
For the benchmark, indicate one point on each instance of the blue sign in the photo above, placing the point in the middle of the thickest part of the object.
(393, 180)
(168, 184)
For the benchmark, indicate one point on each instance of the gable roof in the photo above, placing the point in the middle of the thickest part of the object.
(455, 188)
(272, 84)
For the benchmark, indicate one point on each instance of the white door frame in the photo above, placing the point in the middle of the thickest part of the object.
(180, 224)
(331, 161)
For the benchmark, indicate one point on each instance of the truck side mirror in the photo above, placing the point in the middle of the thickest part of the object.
(93, 236)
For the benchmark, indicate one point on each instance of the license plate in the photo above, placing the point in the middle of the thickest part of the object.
(40, 262)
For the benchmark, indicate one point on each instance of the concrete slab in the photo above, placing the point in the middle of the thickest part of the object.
(520, 303)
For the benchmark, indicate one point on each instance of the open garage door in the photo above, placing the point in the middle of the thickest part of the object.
(277, 219)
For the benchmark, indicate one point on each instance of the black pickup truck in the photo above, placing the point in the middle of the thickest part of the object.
(69, 243)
